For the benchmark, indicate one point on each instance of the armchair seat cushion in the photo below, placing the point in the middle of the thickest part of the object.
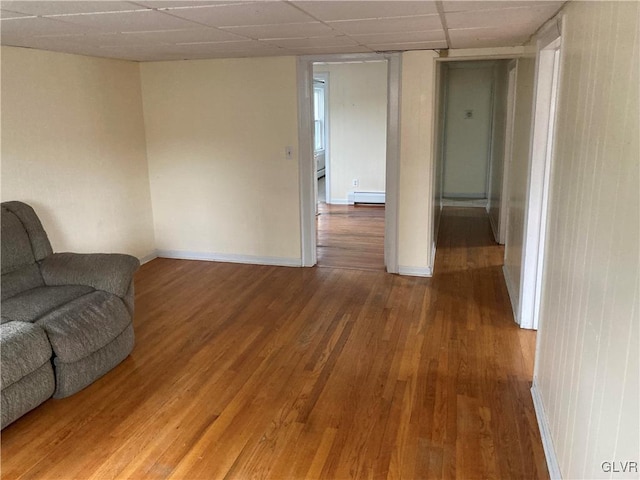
(32, 304)
(26, 377)
(24, 349)
(85, 325)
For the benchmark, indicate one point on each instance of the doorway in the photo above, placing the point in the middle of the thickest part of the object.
(470, 151)
(541, 159)
(357, 192)
(350, 105)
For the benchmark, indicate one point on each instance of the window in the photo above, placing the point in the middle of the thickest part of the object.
(318, 117)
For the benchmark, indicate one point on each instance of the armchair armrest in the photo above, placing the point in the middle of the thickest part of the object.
(111, 272)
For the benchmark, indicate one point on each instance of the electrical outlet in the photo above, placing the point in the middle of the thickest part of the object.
(356, 182)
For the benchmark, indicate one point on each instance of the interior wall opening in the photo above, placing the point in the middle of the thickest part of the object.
(472, 133)
(350, 149)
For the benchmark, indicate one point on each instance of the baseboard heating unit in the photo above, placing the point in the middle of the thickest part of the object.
(366, 197)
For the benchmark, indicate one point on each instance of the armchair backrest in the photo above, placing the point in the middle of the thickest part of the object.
(24, 243)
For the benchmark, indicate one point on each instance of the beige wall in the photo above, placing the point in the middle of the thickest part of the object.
(501, 86)
(415, 216)
(587, 368)
(518, 177)
(73, 147)
(221, 185)
(467, 140)
(357, 96)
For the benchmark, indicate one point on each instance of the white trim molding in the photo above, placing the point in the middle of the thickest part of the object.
(147, 258)
(230, 258)
(433, 257)
(541, 152)
(340, 201)
(511, 290)
(545, 434)
(415, 271)
(305, 153)
(471, 202)
(494, 228)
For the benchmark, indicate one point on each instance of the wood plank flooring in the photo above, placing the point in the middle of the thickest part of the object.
(350, 236)
(244, 371)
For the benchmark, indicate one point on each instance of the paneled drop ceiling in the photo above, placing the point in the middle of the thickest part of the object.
(173, 30)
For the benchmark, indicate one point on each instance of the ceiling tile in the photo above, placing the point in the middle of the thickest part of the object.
(204, 34)
(486, 37)
(141, 53)
(351, 10)
(474, 5)
(162, 4)
(198, 35)
(8, 14)
(485, 43)
(312, 42)
(231, 49)
(26, 26)
(56, 45)
(144, 20)
(330, 50)
(381, 38)
(261, 13)
(66, 7)
(386, 47)
(286, 30)
(95, 40)
(387, 25)
(525, 16)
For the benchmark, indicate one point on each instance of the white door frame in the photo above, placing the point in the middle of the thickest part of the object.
(512, 75)
(324, 76)
(541, 157)
(305, 154)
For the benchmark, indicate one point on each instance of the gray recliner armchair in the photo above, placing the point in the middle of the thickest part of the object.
(66, 318)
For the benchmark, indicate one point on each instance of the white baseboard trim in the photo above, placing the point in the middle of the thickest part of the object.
(147, 258)
(494, 228)
(512, 293)
(415, 271)
(339, 201)
(479, 203)
(230, 258)
(433, 257)
(545, 434)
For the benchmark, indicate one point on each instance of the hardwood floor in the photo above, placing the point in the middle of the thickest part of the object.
(350, 236)
(246, 371)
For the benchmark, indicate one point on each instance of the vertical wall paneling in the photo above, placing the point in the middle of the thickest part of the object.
(587, 369)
